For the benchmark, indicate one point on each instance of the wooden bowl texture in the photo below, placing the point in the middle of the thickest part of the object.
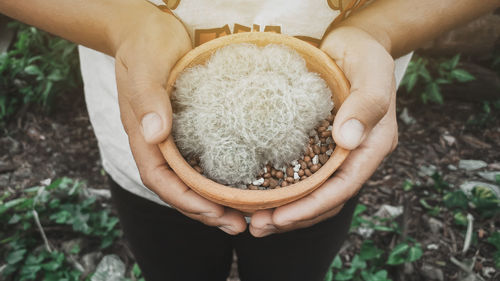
(249, 201)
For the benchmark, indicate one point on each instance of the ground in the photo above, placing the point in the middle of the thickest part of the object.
(38, 145)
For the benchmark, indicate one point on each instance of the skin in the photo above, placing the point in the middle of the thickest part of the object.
(363, 46)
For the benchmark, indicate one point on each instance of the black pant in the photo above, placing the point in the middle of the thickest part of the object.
(169, 246)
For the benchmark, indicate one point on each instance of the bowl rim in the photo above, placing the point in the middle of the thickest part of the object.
(244, 199)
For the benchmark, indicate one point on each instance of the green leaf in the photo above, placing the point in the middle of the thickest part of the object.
(494, 239)
(456, 199)
(380, 275)
(398, 254)
(434, 93)
(344, 275)
(496, 259)
(414, 253)
(337, 262)
(328, 276)
(454, 61)
(358, 263)
(407, 185)
(462, 75)
(33, 70)
(410, 80)
(15, 256)
(460, 218)
(369, 251)
(11, 204)
(55, 75)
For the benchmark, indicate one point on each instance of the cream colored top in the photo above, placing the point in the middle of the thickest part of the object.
(204, 20)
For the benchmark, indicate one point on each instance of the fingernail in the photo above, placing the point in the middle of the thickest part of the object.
(268, 230)
(228, 229)
(151, 125)
(352, 132)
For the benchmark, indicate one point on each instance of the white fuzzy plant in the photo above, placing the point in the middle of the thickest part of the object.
(246, 107)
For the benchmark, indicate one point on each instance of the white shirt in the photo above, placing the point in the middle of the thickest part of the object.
(204, 20)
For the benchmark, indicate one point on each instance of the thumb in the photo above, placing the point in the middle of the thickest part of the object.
(371, 74)
(359, 113)
(144, 90)
(370, 70)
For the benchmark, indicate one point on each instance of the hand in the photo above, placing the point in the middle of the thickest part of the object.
(144, 56)
(365, 124)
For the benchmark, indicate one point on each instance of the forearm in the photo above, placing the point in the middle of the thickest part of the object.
(403, 25)
(97, 24)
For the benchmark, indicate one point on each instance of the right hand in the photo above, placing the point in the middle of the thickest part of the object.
(145, 52)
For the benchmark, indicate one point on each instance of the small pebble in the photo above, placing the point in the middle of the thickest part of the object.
(273, 172)
(265, 183)
(316, 149)
(300, 172)
(309, 164)
(289, 171)
(294, 162)
(325, 123)
(314, 168)
(289, 179)
(193, 162)
(326, 134)
(253, 187)
(296, 168)
(284, 183)
(296, 176)
(329, 152)
(315, 160)
(330, 118)
(323, 158)
(323, 149)
(329, 128)
(272, 183)
(267, 175)
(303, 177)
(321, 129)
(307, 158)
(279, 174)
(307, 172)
(258, 182)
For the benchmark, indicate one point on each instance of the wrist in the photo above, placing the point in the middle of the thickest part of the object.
(379, 35)
(142, 21)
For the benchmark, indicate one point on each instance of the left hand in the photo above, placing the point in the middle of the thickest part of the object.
(365, 123)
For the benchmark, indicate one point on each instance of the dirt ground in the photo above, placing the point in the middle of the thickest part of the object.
(38, 145)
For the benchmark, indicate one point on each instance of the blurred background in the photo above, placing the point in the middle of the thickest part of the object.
(430, 212)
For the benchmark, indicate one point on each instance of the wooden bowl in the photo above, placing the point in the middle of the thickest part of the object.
(252, 200)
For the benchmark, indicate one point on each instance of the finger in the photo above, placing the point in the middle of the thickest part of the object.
(370, 70)
(231, 222)
(261, 224)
